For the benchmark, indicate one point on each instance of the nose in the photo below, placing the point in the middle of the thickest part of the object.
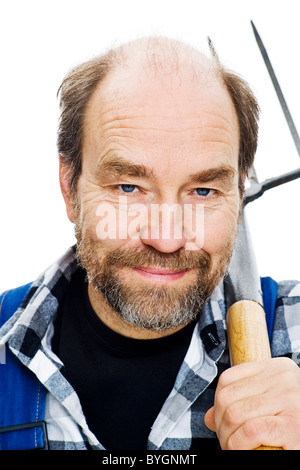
(165, 231)
(164, 246)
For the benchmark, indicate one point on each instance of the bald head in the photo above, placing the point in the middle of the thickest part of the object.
(157, 72)
(164, 57)
(169, 62)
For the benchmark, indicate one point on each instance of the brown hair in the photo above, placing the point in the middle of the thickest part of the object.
(79, 85)
(247, 111)
(75, 93)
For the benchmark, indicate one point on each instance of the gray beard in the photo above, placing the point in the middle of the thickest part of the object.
(152, 308)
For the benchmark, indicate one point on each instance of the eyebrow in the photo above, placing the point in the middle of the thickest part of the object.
(221, 173)
(114, 166)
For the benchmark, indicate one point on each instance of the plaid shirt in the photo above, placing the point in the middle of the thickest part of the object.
(180, 422)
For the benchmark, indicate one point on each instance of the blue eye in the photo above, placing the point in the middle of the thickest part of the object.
(128, 188)
(203, 191)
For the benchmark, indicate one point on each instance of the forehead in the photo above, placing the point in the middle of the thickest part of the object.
(185, 91)
(159, 113)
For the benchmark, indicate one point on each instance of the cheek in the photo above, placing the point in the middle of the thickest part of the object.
(101, 224)
(219, 230)
(93, 205)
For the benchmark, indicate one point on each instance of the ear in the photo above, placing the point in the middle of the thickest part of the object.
(64, 181)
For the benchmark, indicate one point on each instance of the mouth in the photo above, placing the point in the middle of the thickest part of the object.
(160, 274)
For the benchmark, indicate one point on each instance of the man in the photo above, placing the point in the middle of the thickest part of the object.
(127, 333)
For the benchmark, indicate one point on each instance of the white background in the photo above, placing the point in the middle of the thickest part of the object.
(41, 40)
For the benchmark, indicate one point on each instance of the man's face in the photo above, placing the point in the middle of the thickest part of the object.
(151, 141)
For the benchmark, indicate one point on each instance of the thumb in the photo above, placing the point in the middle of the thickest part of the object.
(209, 419)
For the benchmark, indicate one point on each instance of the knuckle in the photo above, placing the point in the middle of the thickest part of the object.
(259, 429)
(252, 428)
(287, 364)
(225, 378)
(232, 415)
(222, 399)
(291, 381)
(247, 436)
(287, 361)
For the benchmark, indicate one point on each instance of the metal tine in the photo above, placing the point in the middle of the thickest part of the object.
(257, 189)
(277, 89)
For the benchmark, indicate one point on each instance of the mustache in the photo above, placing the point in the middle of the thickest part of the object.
(149, 257)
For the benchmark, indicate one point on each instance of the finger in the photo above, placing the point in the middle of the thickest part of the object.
(234, 401)
(249, 369)
(258, 395)
(209, 419)
(257, 406)
(271, 431)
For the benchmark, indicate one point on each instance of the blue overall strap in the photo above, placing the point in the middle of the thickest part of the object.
(22, 397)
(269, 290)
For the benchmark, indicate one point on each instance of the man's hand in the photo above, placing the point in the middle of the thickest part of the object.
(257, 403)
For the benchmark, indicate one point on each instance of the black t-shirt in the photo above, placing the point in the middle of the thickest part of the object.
(121, 382)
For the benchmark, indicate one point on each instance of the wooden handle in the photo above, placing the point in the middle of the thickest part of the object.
(247, 333)
(248, 337)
